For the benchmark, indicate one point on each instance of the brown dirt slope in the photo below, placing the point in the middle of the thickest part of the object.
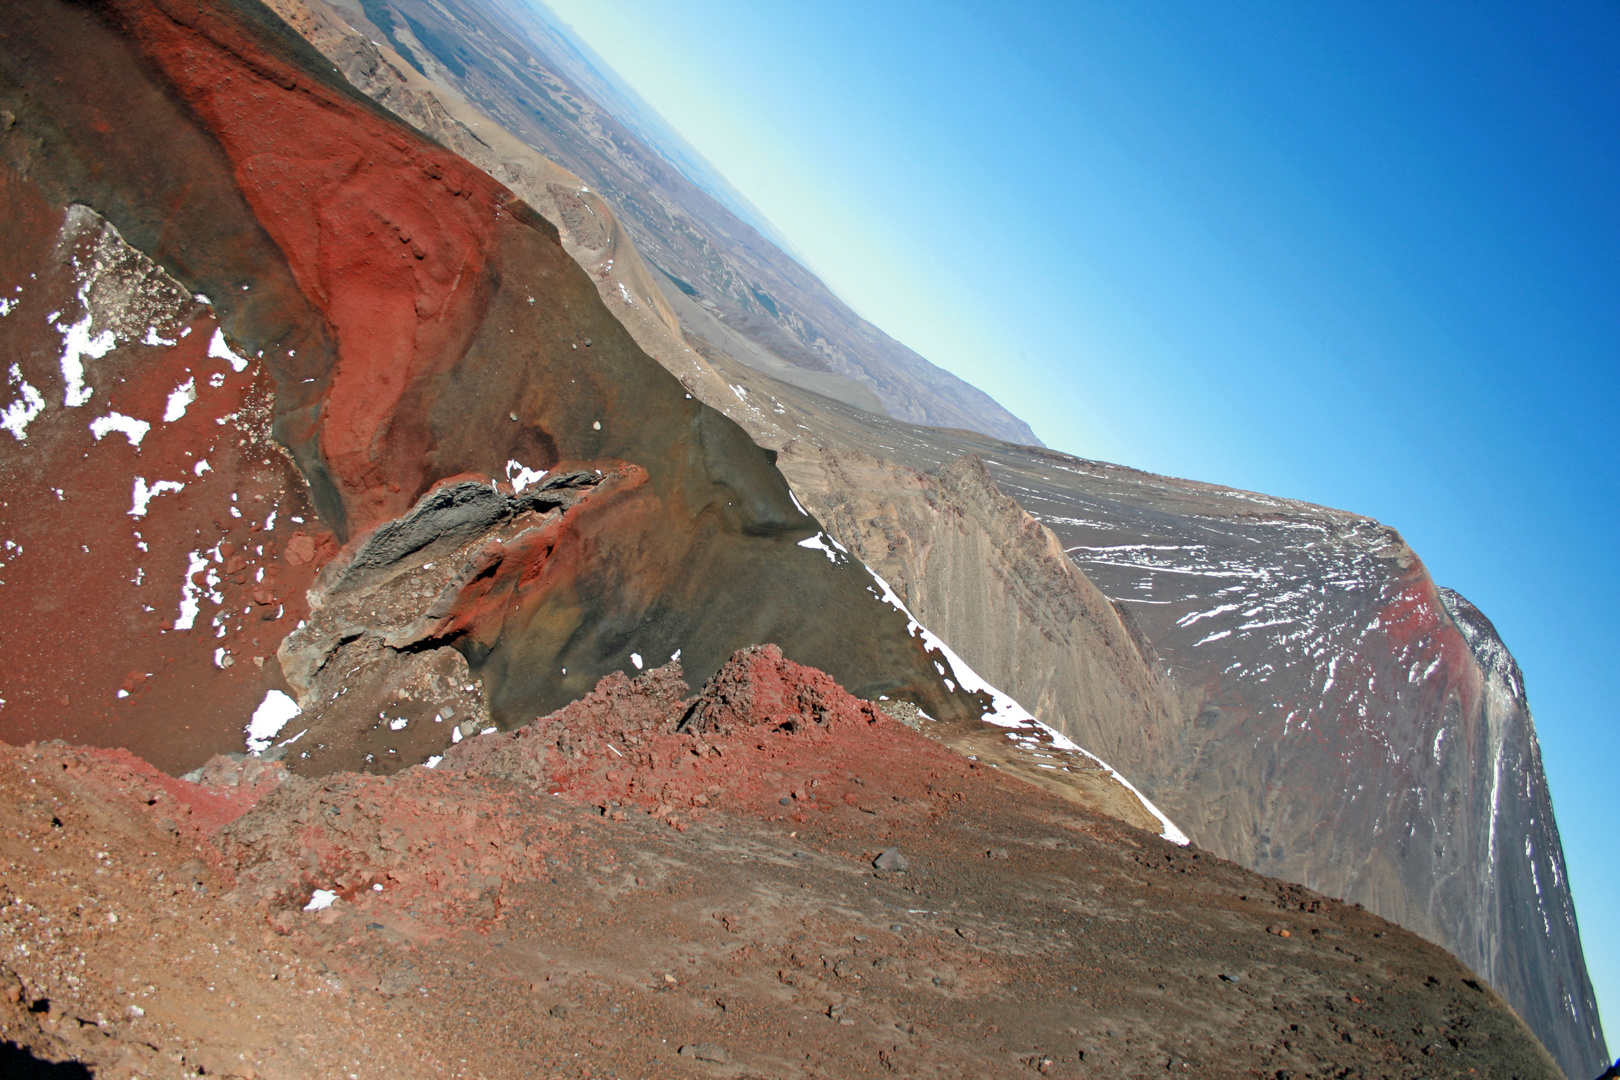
(654, 884)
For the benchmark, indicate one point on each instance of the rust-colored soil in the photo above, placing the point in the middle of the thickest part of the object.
(601, 894)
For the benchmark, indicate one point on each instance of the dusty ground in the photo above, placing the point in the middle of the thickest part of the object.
(601, 895)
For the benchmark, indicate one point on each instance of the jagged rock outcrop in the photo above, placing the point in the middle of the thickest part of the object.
(242, 290)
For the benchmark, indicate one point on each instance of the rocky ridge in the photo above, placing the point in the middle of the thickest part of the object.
(768, 878)
(284, 356)
(959, 554)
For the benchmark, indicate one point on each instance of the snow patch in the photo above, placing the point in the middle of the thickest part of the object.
(521, 476)
(827, 546)
(268, 719)
(143, 495)
(190, 593)
(180, 398)
(20, 413)
(78, 346)
(221, 351)
(132, 429)
(321, 899)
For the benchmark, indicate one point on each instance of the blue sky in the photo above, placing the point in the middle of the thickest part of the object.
(1366, 255)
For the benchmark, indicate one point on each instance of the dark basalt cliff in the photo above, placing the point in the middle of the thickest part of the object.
(257, 331)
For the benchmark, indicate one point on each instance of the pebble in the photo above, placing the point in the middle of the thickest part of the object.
(891, 859)
(706, 1052)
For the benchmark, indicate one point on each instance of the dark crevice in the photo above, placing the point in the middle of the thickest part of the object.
(19, 1063)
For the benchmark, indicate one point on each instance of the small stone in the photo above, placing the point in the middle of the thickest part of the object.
(996, 853)
(559, 1011)
(892, 860)
(706, 1052)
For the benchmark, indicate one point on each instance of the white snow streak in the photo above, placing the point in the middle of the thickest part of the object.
(1006, 712)
(132, 429)
(268, 719)
(218, 349)
(521, 476)
(179, 399)
(143, 495)
(20, 413)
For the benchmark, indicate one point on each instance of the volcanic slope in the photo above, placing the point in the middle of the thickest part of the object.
(591, 234)
(1305, 700)
(498, 56)
(275, 361)
(921, 508)
(619, 889)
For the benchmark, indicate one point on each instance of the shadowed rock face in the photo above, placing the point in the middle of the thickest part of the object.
(291, 326)
(1358, 729)
(1298, 695)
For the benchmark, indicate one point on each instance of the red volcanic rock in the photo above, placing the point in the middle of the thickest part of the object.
(763, 729)
(391, 236)
(759, 686)
(467, 920)
(278, 322)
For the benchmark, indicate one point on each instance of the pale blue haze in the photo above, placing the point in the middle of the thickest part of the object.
(1366, 255)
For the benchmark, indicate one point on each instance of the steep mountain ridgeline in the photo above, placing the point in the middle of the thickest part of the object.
(288, 324)
(1296, 693)
(1357, 731)
(591, 234)
(495, 55)
(1151, 693)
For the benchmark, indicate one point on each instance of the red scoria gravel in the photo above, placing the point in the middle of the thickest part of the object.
(653, 884)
